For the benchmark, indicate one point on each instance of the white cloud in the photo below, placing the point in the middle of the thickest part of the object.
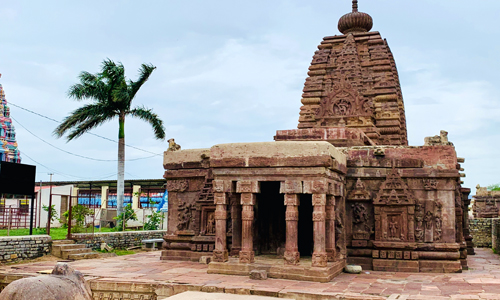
(468, 110)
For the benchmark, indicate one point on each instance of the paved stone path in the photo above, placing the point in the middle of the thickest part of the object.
(482, 281)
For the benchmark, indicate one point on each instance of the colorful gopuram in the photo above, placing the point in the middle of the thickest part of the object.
(9, 151)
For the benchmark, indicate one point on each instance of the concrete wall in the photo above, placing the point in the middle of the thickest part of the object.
(17, 248)
(481, 231)
(58, 193)
(119, 240)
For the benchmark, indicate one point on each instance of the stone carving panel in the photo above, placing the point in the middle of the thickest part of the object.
(340, 235)
(177, 185)
(184, 215)
(361, 227)
(247, 257)
(430, 184)
(292, 258)
(208, 220)
(394, 191)
(419, 225)
(360, 192)
(394, 208)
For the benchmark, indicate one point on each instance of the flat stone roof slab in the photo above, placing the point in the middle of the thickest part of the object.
(243, 153)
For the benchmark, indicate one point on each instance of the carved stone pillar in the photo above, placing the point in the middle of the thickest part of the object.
(220, 253)
(247, 215)
(248, 189)
(292, 255)
(292, 189)
(236, 222)
(330, 228)
(318, 188)
(319, 258)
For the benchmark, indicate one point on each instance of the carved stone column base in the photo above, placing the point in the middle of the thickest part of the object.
(319, 259)
(247, 257)
(220, 256)
(331, 254)
(291, 257)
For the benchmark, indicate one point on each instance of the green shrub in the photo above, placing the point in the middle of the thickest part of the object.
(127, 215)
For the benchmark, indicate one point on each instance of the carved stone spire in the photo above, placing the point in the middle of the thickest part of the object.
(355, 21)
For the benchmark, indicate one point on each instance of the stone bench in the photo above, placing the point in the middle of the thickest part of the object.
(152, 244)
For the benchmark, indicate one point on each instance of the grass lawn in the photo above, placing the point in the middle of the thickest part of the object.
(120, 252)
(55, 233)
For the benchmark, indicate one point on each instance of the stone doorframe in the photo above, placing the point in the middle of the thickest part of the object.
(323, 200)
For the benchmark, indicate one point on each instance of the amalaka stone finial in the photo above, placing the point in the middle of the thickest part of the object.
(355, 21)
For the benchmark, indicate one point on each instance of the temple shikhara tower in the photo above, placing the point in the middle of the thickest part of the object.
(344, 187)
(8, 150)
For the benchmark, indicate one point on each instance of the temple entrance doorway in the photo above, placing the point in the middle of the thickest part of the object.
(270, 226)
(305, 225)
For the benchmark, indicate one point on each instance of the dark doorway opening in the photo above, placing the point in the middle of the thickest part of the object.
(270, 229)
(305, 225)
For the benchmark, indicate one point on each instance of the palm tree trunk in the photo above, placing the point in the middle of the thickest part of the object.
(120, 185)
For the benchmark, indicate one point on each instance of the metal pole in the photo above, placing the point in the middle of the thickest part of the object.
(32, 212)
(39, 206)
(93, 206)
(50, 205)
(70, 219)
(10, 220)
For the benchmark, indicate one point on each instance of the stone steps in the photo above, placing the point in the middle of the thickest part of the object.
(66, 253)
(62, 242)
(67, 249)
(78, 256)
(58, 244)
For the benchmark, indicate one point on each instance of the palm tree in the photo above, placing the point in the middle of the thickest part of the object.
(111, 95)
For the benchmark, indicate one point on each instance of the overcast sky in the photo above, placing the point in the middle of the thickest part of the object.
(233, 71)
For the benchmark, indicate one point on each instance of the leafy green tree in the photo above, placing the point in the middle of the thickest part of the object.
(111, 95)
(53, 212)
(494, 187)
(154, 221)
(78, 213)
(127, 215)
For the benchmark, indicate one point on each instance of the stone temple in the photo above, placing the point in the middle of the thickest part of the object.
(8, 151)
(342, 188)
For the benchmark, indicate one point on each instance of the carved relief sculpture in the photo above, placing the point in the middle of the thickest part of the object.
(430, 184)
(184, 215)
(339, 233)
(211, 223)
(438, 229)
(438, 222)
(393, 228)
(360, 192)
(177, 185)
(361, 229)
(394, 208)
(428, 220)
(172, 146)
(419, 226)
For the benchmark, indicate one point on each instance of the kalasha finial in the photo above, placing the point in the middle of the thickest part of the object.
(355, 21)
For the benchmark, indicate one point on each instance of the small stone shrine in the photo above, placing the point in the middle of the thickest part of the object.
(486, 203)
(344, 187)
